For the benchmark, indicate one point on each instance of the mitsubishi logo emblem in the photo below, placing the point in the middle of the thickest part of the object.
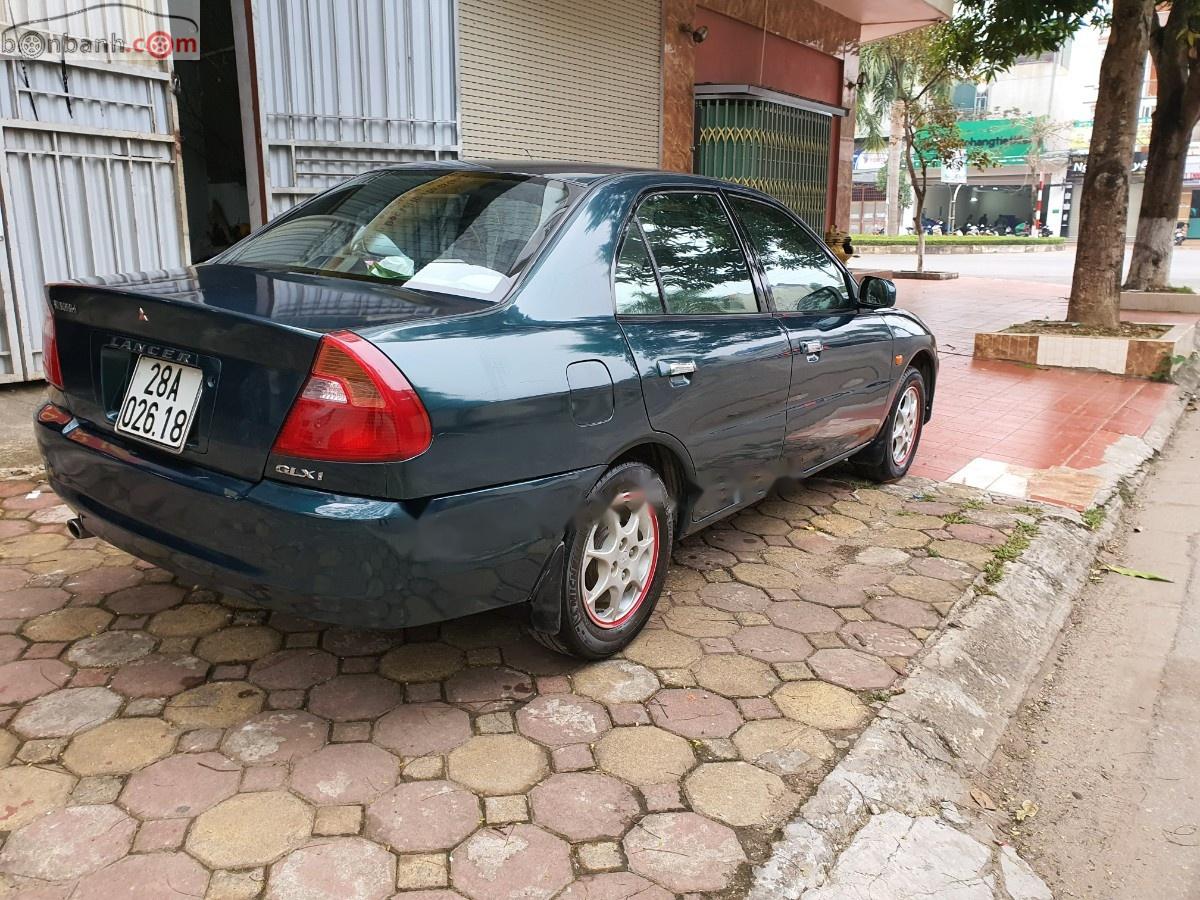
(142, 317)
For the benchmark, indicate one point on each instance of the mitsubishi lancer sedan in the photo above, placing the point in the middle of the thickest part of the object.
(439, 389)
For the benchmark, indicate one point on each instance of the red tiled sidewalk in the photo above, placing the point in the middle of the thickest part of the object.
(1029, 418)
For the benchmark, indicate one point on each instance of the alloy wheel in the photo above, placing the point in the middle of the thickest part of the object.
(619, 559)
(906, 424)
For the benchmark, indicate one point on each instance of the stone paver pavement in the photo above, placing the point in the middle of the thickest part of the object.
(161, 739)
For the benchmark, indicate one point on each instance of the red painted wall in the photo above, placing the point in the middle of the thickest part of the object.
(738, 53)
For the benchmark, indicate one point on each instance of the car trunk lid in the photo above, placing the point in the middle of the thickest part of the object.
(253, 333)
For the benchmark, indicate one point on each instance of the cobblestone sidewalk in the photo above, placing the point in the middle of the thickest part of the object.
(162, 741)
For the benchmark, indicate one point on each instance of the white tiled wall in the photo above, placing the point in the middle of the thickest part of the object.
(1106, 354)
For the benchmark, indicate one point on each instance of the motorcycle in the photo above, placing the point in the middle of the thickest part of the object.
(1180, 235)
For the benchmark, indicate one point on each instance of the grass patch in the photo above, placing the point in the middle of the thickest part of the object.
(974, 503)
(1178, 289)
(993, 240)
(1093, 518)
(955, 518)
(879, 696)
(1017, 543)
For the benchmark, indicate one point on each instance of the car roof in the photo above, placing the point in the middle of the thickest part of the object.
(564, 170)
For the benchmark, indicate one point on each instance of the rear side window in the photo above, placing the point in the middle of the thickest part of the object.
(633, 281)
(461, 232)
(701, 266)
(801, 274)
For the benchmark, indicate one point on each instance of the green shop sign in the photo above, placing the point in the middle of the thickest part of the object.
(1006, 141)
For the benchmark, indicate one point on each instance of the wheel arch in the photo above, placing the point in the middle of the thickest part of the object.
(924, 363)
(673, 464)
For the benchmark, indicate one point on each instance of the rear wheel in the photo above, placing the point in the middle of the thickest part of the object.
(617, 553)
(890, 455)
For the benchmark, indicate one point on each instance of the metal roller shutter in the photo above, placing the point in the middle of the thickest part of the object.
(347, 87)
(559, 79)
(89, 184)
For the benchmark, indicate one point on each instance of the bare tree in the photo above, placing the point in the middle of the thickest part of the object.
(1104, 204)
(1177, 62)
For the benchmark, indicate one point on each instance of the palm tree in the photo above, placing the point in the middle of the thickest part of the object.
(879, 101)
(909, 76)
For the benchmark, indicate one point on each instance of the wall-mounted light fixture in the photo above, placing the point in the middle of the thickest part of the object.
(698, 35)
(857, 85)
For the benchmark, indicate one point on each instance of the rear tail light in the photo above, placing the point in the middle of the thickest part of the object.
(356, 406)
(51, 367)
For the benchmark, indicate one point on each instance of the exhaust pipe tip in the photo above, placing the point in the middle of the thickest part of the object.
(78, 530)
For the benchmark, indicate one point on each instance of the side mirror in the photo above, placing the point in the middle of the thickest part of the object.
(876, 293)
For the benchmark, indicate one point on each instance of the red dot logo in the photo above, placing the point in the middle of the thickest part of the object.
(159, 45)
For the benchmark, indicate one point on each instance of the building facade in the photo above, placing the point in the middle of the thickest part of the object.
(113, 161)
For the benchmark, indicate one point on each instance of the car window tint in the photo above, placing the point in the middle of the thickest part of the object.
(461, 232)
(700, 262)
(633, 282)
(802, 275)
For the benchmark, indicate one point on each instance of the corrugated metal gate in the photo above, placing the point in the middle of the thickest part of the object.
(779, 150)
(346, 87)
(89, 184)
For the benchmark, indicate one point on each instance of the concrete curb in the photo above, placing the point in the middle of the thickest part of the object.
(955, 249)
(918, 756)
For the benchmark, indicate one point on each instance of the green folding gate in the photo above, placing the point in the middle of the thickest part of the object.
(780, 150)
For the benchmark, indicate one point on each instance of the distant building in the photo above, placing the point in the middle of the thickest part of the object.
(1036, 122)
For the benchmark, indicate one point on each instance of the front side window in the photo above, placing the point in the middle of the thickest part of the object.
(801, 274)
(701, 265)
(467, 233)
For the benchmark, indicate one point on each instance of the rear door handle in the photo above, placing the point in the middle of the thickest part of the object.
(674, 368)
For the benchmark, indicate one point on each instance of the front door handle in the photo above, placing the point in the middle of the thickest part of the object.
(674, 368)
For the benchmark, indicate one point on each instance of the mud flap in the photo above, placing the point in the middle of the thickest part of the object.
(545, 603)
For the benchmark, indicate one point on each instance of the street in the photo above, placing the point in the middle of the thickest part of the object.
(1051, 266)
(1109, 744)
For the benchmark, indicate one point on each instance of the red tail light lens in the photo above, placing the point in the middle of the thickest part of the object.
(355, 407)
(51, 367)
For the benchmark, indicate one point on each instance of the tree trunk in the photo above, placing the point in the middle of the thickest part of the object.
(920, 187)
(1174, 118)
(1104, 205)
(895, 142)
(918, 213)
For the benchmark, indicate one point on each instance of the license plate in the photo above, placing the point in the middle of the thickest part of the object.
(160, 402)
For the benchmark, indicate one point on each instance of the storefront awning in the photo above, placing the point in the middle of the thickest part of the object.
(881, 18)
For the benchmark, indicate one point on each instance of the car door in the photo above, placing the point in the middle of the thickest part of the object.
(841, 354)
(714, 363)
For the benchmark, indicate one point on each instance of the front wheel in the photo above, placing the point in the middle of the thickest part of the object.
(890, 455)
(617, 553)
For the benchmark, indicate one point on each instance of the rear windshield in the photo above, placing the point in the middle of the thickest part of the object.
(466, 233)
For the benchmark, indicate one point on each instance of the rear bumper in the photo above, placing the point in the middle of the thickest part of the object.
(353, 560)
